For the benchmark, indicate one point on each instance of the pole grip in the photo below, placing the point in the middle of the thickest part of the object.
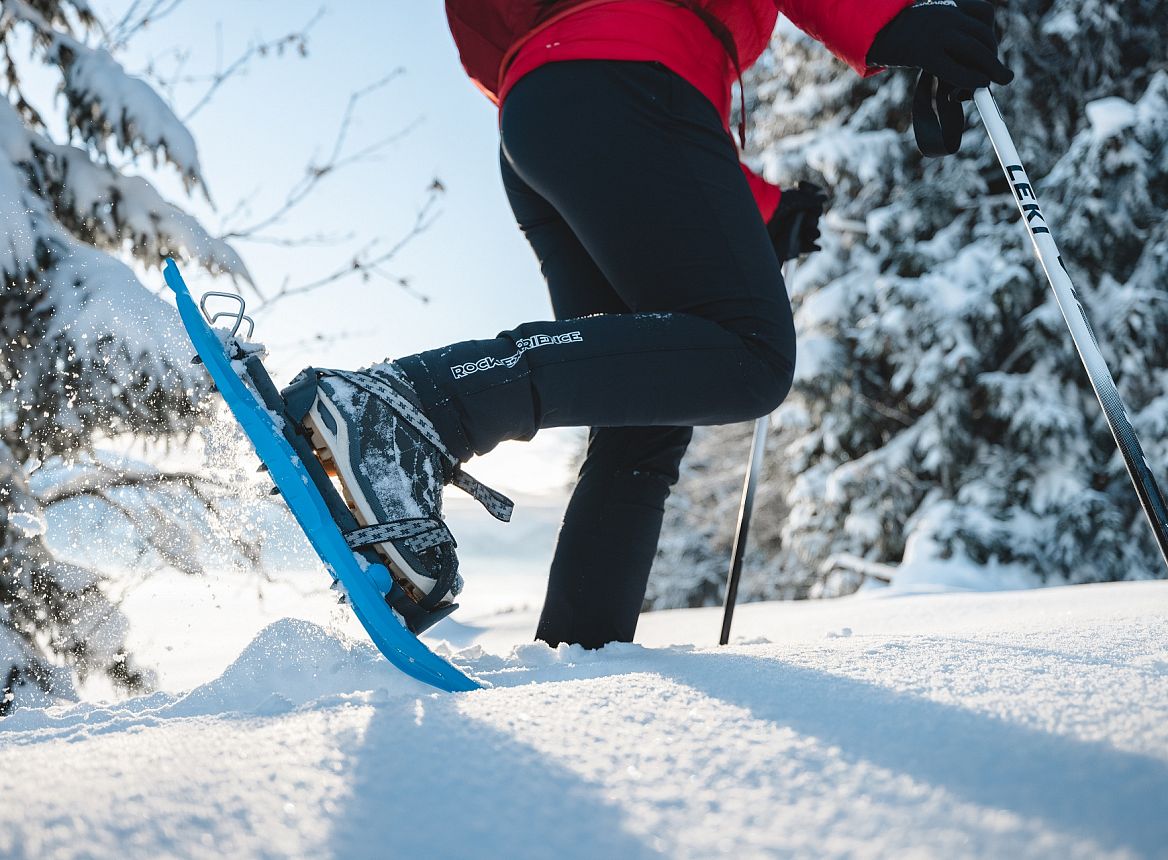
(794, 245)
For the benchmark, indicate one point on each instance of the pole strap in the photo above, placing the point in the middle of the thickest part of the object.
(938, 116)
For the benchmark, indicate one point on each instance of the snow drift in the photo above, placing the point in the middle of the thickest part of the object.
(1020, 724)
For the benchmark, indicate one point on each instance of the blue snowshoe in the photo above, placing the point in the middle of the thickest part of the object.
(381, 537)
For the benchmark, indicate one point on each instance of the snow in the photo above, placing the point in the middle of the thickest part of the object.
(926, 719)
(31, 524)
(139, 115)
(111, 299)
(818, 357)
(1019, 724)
(1110, 115)
(19, 242)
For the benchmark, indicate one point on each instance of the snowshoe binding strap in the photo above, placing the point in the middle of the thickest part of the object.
(938, 116)
(400, 404)
(417, 534)
(413, 536)
(498, 505)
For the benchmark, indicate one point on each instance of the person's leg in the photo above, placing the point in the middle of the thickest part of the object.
(576, 286)
(608, 539)
(638, 165)
(640, 168)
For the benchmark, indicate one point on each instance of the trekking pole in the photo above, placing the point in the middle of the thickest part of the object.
(1151, 499)
(754, 469)
(757, 449)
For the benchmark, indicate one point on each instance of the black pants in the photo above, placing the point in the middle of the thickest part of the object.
(670, 312)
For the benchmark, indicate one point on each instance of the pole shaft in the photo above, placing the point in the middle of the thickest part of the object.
(757, 450)
(1151, 498)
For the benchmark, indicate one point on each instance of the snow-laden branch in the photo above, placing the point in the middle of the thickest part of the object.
(158, 512)
(99, 478)
(105, 103)
(99, 206)
(868, 569)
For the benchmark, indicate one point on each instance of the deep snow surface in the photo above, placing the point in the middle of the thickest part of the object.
(1020, 724)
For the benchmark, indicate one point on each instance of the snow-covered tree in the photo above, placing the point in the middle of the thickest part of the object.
(89, 353)
(940, 412)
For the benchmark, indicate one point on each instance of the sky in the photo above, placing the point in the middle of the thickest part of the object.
(262, 129)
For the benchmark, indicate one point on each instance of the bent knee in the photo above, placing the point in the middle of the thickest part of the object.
(768, 334)
(772, 382)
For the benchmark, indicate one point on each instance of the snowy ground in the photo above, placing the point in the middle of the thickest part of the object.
(1013, 724)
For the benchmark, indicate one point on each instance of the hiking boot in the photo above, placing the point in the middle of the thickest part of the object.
(370, 432)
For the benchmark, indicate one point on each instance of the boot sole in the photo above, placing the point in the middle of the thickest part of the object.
(331, 450)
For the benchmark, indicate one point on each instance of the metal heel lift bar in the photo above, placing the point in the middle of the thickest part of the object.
(240, 316)
(1151, 499)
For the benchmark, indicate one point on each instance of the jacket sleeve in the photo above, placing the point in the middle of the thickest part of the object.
(765, 194)
(847, 27)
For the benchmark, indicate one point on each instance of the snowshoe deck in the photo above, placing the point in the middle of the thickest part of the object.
(320, 510)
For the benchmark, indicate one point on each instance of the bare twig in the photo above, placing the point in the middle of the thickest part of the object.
(151, 533)
(137, 17)
(242, 205)
(322, 339)
(316, 240)
(167, 82)
(102, 479)
(150, 514)
(297, 40)
(367, 263)
(314, 174)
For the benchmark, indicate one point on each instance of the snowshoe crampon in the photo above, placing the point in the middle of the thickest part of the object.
(387, 612)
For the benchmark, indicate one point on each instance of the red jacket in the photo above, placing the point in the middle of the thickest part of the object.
(486, 31)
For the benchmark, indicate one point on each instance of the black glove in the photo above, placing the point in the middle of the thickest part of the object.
(794, 227)
(952, 39)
